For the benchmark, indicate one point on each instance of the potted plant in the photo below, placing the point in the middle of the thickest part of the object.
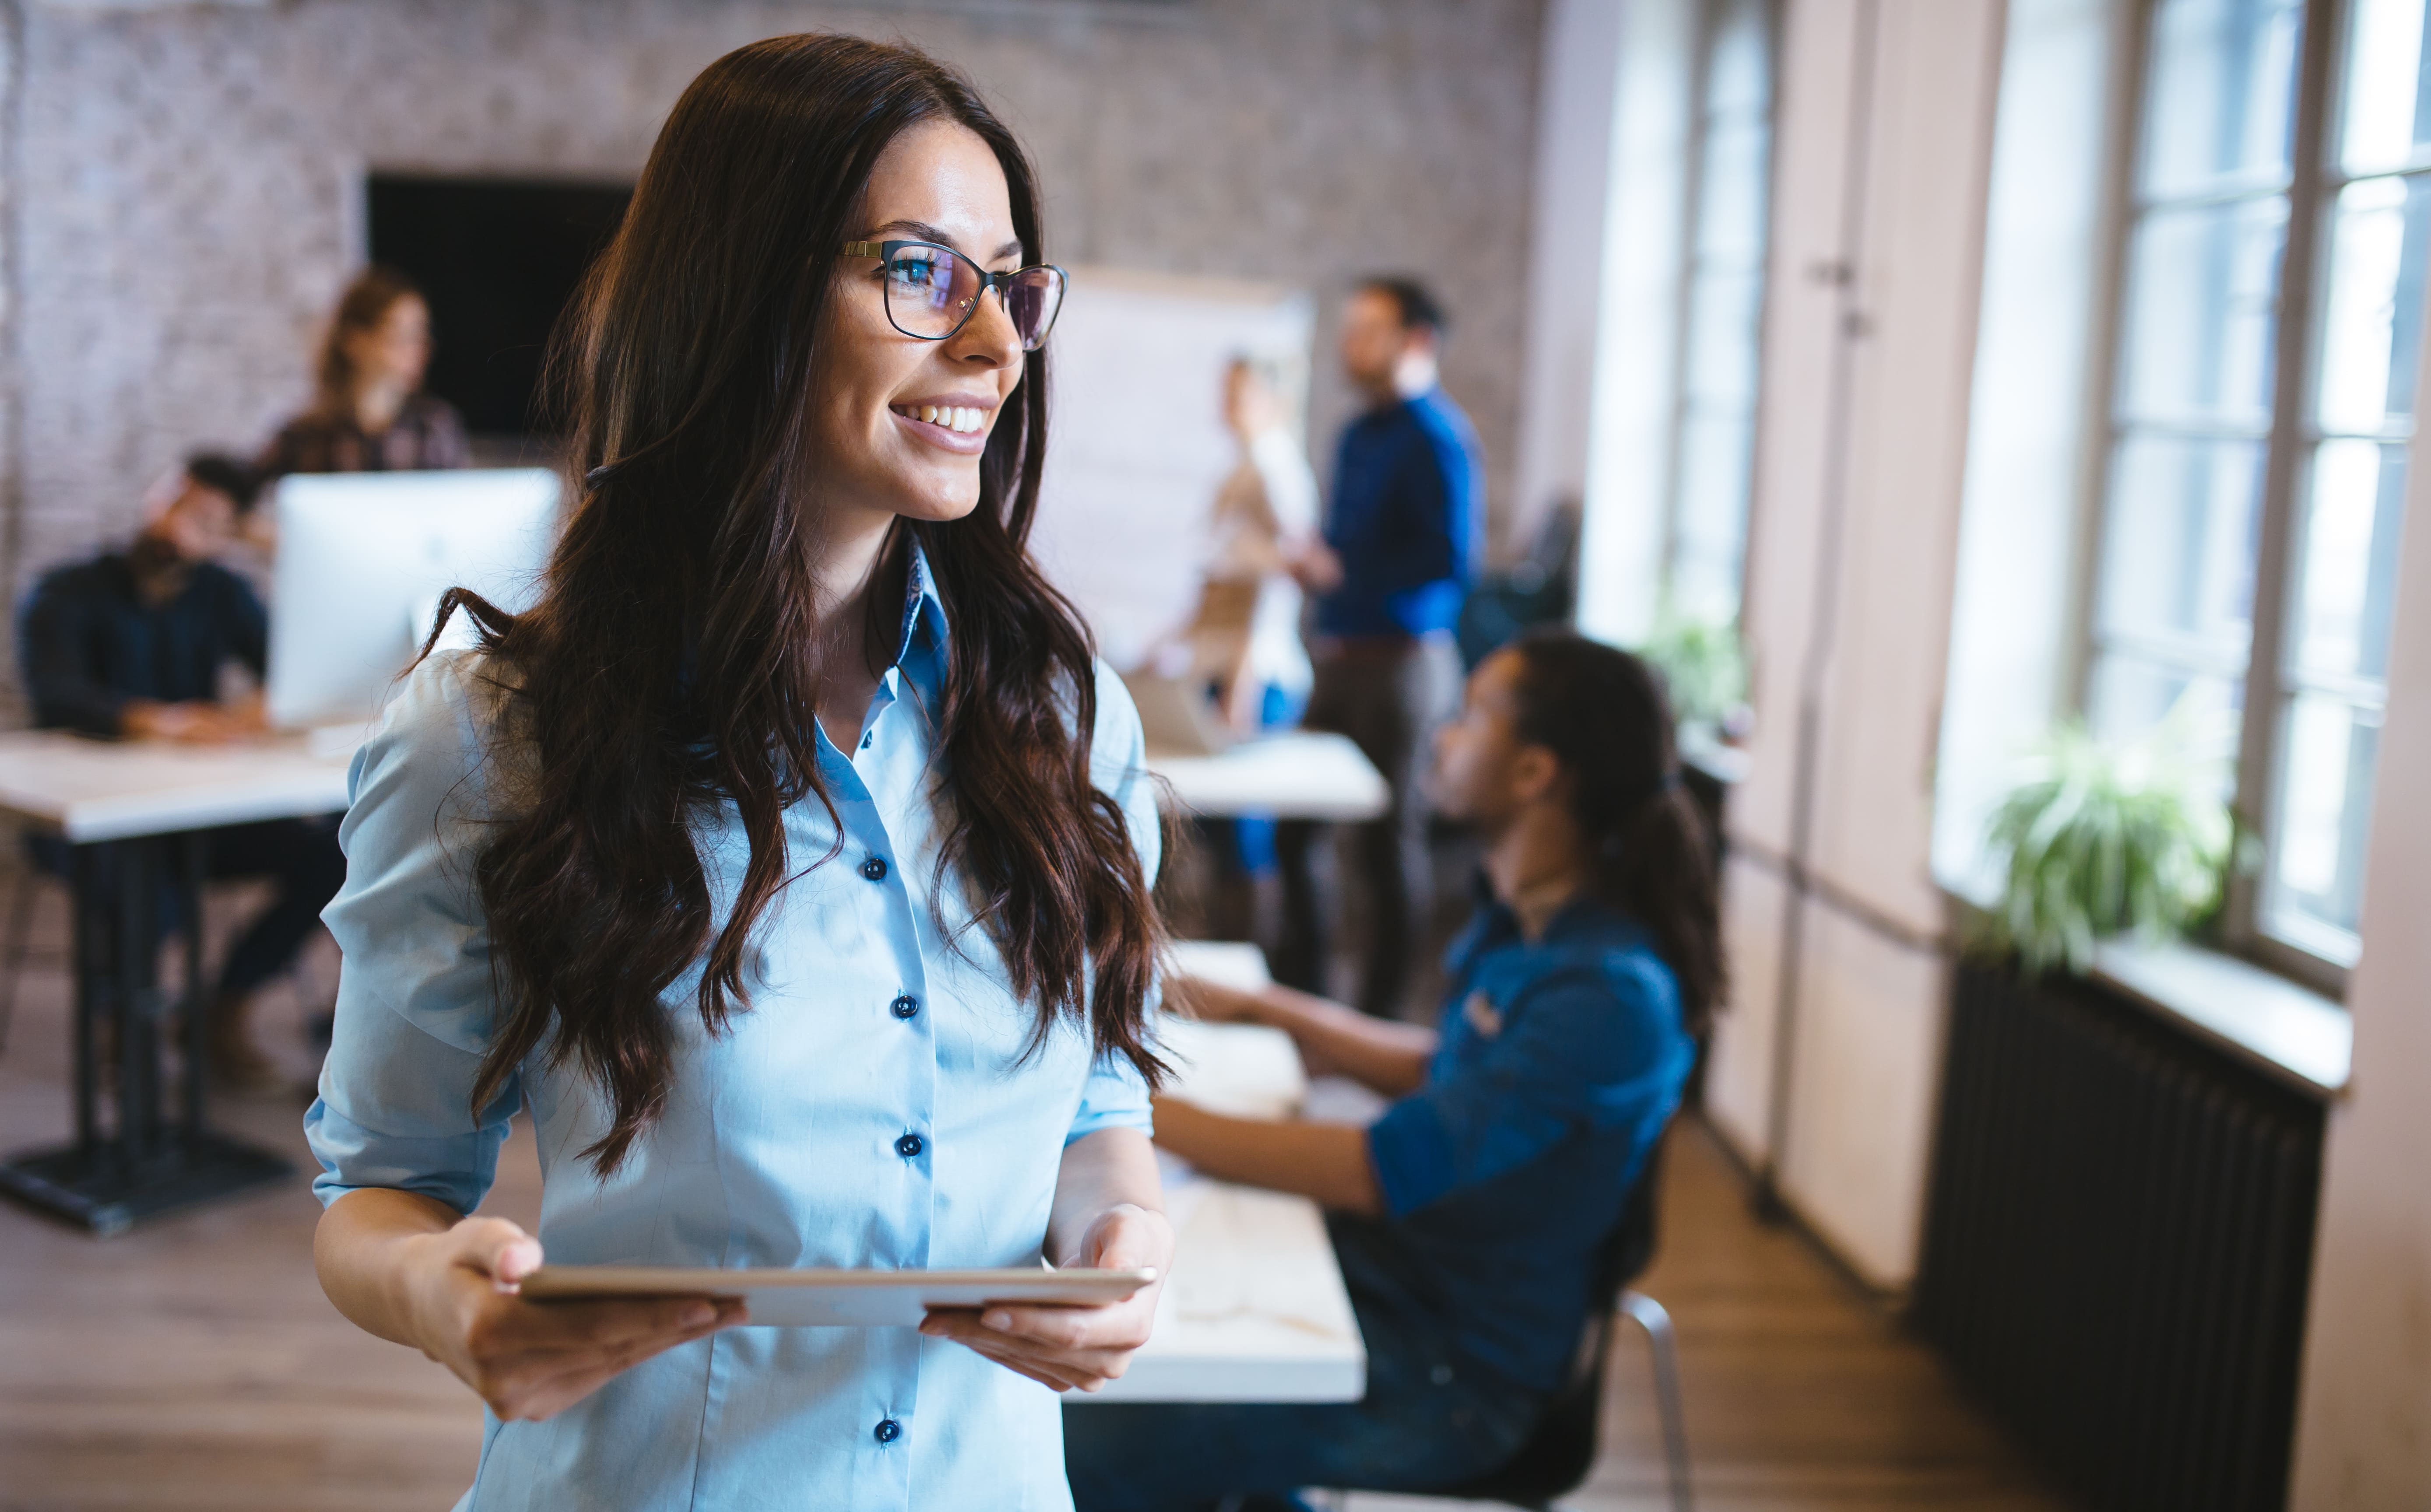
(2106, 838)
(2121, 1211)
(1704, 669)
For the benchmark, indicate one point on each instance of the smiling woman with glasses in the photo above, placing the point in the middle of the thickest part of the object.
(788, 862)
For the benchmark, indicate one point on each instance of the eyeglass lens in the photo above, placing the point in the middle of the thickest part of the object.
(931, 291)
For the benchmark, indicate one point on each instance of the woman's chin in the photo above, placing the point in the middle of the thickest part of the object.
(939, 505)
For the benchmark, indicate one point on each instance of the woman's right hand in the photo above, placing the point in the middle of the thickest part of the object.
(531, 1359)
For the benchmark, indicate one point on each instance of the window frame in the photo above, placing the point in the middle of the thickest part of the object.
(1707, 18)
(2311, 190)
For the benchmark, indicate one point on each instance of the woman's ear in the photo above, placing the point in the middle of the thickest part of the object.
(1536, 774)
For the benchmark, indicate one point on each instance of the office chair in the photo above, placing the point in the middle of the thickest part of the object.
(1558, 1456)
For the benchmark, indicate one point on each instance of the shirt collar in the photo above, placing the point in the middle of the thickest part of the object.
(922, 608)
(1498, 925)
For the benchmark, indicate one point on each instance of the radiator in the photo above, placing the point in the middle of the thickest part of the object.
(2117, 1242)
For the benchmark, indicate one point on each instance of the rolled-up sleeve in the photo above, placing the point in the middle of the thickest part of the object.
(414, 998)
(1579, 1051)
(1116, 1095)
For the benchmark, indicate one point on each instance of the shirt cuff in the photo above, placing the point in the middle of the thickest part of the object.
(1093, 1119)
(453, 1169)
(1114, 1096)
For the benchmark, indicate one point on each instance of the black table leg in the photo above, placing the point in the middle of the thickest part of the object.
(137, 1002)
(198, 992)
(146, 1165)
(85, 1002)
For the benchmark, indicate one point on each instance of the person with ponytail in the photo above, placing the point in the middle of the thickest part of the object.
(1469, 1219)
(787, 863)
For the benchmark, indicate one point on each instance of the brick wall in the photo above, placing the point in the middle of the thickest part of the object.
(187, 179)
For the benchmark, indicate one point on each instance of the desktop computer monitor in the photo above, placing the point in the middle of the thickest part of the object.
(363, 560)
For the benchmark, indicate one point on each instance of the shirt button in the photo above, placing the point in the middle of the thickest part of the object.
(873, 869)
(867, 740)
(909, 1146)
(904, 1005)
(888, 1429)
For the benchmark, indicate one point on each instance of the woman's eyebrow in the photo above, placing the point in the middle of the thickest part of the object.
(922, 231)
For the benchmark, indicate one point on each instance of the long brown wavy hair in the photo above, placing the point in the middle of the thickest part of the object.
(1603, 714)
(671, 663)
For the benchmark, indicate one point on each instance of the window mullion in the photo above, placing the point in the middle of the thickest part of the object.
(2259, 744)
(1692, 206)
(2104, 352)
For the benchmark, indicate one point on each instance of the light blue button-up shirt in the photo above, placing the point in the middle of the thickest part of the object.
(783, 1142)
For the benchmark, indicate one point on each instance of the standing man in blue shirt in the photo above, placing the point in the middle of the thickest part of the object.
(1400, 547)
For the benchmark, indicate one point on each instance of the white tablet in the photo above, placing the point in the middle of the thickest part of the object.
(839, 1299)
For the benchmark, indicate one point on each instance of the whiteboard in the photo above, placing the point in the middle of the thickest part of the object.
(1136, 445)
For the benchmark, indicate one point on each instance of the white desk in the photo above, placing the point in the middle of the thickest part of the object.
(1296, 774)
(92, 790)
(133, 812)
(1253, 1309)
(108, 790)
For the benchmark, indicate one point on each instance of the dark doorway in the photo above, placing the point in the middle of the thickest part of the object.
(498, 258)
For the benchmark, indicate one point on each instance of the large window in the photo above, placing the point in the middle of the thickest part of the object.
(2271, 308)
(1714, 438)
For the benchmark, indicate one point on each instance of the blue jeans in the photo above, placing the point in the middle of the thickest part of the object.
(1428, 1422)
(1253, 834)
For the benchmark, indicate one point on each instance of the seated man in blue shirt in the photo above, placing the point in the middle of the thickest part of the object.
(1469, 1217)
(1400, 547)
(133, 643)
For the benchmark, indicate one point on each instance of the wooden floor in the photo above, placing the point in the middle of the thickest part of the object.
(194, 1363)
(1802, 1395)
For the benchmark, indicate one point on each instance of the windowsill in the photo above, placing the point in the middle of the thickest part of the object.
(1701, 747)
(2287, 1030)
(2294, 1034)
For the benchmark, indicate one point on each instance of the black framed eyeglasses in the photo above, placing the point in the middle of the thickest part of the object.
(933, 289)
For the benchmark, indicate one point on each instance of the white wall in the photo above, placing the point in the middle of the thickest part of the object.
(1884, 135)
(1578, 71)
(1637, 325)
(2034, 432)
(2363, 1438)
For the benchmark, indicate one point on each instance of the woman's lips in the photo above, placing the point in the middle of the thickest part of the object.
(940, 432)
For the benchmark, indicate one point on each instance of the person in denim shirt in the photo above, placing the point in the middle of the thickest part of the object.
(1468, 1217)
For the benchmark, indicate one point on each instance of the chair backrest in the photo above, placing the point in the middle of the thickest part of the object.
(1558, 1456)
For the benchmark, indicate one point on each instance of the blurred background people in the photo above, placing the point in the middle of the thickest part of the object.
(137, 644)
(1246, 636)
(1243, 641)
(1400, 546)
(369, 413)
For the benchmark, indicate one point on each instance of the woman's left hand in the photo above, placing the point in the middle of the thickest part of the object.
(1068, 1348)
